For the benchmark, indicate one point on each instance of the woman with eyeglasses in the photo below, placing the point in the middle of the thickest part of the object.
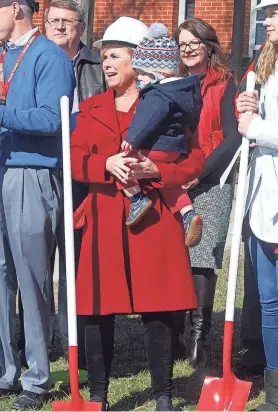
(219, 138)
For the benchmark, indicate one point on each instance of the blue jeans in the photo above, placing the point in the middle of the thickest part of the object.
(265, 266)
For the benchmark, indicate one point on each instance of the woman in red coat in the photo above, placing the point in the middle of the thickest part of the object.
(145, 269)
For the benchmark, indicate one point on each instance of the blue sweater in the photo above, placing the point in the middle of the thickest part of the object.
(30, 122)
(163, 113)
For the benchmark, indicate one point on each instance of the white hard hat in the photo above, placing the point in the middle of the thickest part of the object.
(266, 3)
(124, 30)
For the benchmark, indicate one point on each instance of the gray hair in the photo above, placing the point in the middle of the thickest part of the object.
(68, 5)
(26, 10)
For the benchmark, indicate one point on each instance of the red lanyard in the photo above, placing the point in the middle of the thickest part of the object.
(4, 86)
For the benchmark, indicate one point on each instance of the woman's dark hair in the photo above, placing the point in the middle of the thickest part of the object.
(204, 32)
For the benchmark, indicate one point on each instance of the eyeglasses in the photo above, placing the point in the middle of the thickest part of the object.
(64, 22)
(193, 45)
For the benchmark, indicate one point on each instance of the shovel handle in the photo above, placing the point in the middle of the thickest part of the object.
(238, 216)
(68, 217)
(236, 243)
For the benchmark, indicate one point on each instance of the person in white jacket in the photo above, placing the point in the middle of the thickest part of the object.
(261, 127)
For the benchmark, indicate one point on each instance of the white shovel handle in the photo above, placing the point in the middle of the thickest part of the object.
(238, 216)
(68, 218)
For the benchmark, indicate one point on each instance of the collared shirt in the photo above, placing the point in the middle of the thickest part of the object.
(75, 106)
(22, 40)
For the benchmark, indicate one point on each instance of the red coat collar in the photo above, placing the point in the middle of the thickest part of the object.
(103, 109)
(212, 77)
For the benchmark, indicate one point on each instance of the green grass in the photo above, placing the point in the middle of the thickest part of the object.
(130, 384)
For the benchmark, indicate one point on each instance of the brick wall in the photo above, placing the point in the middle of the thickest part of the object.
(38, 17)
(149, 11)
(219, 13)
(247, 27)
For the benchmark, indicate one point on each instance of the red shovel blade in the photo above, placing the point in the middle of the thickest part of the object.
(77, 404)
(220, 394)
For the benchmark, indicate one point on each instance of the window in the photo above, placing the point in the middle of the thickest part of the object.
(189, 9)
(186, 10)
(257, 30)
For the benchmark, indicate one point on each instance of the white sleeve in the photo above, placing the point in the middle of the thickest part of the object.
(265, 132)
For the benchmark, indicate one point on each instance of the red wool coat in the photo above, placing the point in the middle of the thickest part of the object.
(122, 270)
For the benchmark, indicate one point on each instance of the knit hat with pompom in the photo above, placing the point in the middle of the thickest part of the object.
(158, 52)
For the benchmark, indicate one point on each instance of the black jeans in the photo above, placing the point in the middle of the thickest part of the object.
(251, 322)
(100, 344)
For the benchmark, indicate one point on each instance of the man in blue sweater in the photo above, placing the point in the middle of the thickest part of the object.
(34, 74)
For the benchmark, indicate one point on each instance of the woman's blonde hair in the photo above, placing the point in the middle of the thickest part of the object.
(266, 62)
(106, 46)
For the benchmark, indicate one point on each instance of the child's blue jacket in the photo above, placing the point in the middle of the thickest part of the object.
(163, 113)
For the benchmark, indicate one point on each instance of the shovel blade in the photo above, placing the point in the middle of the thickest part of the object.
(78, 404)
(220, 395)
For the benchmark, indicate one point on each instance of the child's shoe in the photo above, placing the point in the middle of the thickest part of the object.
(193, 226)
(140, 205)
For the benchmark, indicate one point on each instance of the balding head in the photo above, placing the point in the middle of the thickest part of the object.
(15, 19)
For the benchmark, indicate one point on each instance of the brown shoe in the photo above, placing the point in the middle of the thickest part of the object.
(193, 226)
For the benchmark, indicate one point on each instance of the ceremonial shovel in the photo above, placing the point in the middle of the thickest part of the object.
(77, 403)
(229, 393)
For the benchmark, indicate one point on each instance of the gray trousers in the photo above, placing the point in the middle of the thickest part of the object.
(30, 200)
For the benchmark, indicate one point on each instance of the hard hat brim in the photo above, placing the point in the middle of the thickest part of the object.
(99, 43)
(264, 4)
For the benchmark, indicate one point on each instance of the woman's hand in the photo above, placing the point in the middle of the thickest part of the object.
(244, 122)
(191, 184)
(116, 165)
(248, 102)
(146, 169)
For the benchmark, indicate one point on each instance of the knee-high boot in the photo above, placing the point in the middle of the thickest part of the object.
(271, 391)
(179, 347)
(158, 335)
(99, 343)
(200, 318)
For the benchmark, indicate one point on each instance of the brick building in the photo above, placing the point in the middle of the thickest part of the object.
(219, 13)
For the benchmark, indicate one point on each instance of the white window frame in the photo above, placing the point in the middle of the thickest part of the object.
(253, 26)
(182, 8)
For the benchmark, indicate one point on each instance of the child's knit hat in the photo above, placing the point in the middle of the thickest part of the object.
(158, 52)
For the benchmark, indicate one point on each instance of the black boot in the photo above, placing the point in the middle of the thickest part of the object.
(179, 347)
(159, 348)
(252, 362)
(271, 391)
(164, 403)
(104, 404)
(99, 343)
(205, 283)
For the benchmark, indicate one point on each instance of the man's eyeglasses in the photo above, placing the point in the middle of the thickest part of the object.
(64, 22)
(193, 45)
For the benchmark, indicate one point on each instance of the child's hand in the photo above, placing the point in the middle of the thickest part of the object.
(191, 184)
(126, 147)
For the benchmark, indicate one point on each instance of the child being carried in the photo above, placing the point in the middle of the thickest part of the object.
(167, 113)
